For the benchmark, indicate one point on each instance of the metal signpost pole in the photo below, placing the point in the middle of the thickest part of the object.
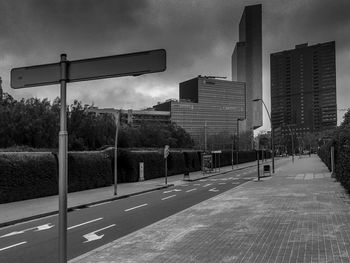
(257, 158)
(63, 147)
(116, 116)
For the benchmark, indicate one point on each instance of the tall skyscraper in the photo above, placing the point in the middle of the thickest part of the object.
(247, 62)
(303, 88)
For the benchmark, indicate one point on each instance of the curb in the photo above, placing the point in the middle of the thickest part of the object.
(211, 175)
(73, 208)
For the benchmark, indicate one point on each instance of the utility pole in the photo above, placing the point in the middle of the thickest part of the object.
(1, 91)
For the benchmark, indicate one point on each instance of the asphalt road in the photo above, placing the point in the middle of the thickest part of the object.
(89, 228)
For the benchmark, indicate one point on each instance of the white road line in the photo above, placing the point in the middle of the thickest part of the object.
(170, 196)
(206, 185)
(194, 189)
(100, 204)
(15, 245)
(88, 222)
(132, 208)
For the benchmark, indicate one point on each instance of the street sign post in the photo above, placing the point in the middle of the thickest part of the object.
(133, 64)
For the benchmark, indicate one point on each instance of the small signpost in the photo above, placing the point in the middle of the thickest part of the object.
(133, 64)
(142, 176)
(166, 154)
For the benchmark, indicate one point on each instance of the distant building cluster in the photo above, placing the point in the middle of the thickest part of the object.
(211, 106)
(303, 91)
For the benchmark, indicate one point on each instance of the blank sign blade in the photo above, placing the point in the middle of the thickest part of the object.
(117, 66)
(35, 76)
(132, 64)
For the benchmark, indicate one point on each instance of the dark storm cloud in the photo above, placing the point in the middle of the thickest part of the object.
(199, 37)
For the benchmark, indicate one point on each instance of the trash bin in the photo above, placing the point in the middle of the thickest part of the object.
(267, 170)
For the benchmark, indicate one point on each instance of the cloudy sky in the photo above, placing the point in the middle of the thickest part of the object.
(198, 35)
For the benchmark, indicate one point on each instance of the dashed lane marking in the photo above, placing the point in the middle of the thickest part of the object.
(169, 191)
(206, 185)
(132, 208)
(85, 223)
(191, 190)
(15, 245)
(170, 196)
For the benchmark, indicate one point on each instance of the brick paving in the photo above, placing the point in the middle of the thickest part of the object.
(299, 215)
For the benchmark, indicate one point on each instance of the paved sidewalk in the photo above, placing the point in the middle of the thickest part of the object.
(299, 215)
(16, 212)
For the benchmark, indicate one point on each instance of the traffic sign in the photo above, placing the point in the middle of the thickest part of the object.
(166, 151)
(132, 64)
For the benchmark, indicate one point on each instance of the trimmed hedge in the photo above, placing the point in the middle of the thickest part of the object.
(87, 170)
(341, 143)
(26, 175)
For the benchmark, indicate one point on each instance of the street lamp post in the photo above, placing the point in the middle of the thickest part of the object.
(291, 134)
(116, 114)
(272, 145)
(237, 148)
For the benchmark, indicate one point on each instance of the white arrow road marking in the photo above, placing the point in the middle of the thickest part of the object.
(37, 228)
(168, 197)
(194, 189)
(94, 220)
(135, 207)
(214, 190)
(174, 190)
(206, 185)
(92, 236)
(15, 245)
(44, 227)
